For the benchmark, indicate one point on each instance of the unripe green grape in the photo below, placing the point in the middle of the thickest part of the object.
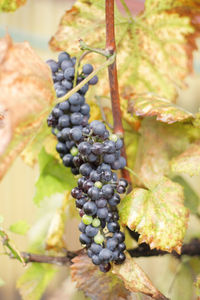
(96, 222)
(113, 137)
(98, 184)
(74, 151)
(99, 238)
(87, 220)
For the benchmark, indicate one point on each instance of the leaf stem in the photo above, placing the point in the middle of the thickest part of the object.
(82, 83)
(113, 79)
(103, 52)
(127, 10)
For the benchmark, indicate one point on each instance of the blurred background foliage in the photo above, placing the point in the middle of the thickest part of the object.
(36, 22)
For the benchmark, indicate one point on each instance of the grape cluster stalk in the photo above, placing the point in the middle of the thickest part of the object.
(93, 153)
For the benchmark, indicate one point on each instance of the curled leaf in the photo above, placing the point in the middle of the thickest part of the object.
(135, 279)
(151, 105)
(26, 96)
(95, 284)
(158, 215)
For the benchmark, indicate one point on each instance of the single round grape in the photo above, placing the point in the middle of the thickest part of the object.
(59, 75)
(94, 176)
(96, 222)
(65, 133)
(53, 65)
(85, 109)
(91, 231)
(123, 182)
(80, 202)
(115, 200)
(74, 99)
(109, 147)
(60, 137)
(93, 193)
(98, 239)
(74, 151)
(115, 254)
(87, 69)
(105, 255)
(85, 169)
(90, 208)
(84, 148)
(121, 258)
(63, 56)
(76, 193)
(96, 248)
(64, 106)
(77, 161)
(98, 129)
(106, 176)
(98, 184)
(121, 247)
(112, 244)
(87, 185)
(56, 112)
(102, 212)
(69, 144)
(66, 64)
(63, 121)
(96, 260)
(75, 108)
(121, 189)
(113, 137)
(101, 203)
(61, 148)
(82, 227)
(84, 239)
(76, 118)
(76, 134)
(113, 227)
(90, 253)
(119, 144)
(97, 148)
(109, 158)
(105, 268)
(69, 73)
(60, 92)
(107, 191)
(81, 182)
(67, 84)
(83, 90)
(120, 236)
(87, 220)
(67, 160)
(94, 80)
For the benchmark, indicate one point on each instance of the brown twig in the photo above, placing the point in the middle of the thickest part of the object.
(113, 80)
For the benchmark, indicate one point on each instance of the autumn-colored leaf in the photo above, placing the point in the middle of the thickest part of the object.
(10, 5)
(95, 284)
(135, 279)
(26, 96)
(158, 215)
(188, 162)
(150, 105)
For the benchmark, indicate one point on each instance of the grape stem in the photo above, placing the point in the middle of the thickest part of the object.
(113, 79)
(103, 52)
(82, 83)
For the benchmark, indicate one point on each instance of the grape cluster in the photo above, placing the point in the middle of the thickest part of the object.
(68, 118)
(91, 151)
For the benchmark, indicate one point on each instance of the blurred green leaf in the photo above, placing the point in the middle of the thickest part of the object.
(54, 177)
(2, 282)
(10, 5)
(35, 280)
(20, 227)
(191, 199)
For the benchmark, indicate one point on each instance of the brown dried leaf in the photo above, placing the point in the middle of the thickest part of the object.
(26, 95)
(135, 279)
(151, 105)
(95, 284)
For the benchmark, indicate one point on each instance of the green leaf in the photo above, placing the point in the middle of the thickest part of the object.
(158, 215)
(191, 198)
(2, 282)
(54, 177)
(20, 227)
(188, 162)
(152, 105)
(10, 5)
(35, 280)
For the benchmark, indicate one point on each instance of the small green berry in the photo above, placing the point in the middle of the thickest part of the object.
(113, 137)
(96, 222)
(87, 220)
(74, 151)
(98, 239)
(98, 184)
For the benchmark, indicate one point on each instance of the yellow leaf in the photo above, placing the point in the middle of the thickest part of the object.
(10, 5)
(26, 96)
(158, 215)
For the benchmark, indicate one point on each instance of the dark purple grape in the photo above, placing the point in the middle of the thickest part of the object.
(84, 239)
(66, 64)
(95, 248)
(91, 231)
(102, 213)
(105, 268)
(90, 208)
(53, 65)
(93, 193)
(68, 160)
(113, 227)
(87, 69)
(112, 244)
(105, 255)
(69, 73)
(94, 80)
(96, 260)
(63, 56)
(61, 148)
(82, 227)
(76, 118)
